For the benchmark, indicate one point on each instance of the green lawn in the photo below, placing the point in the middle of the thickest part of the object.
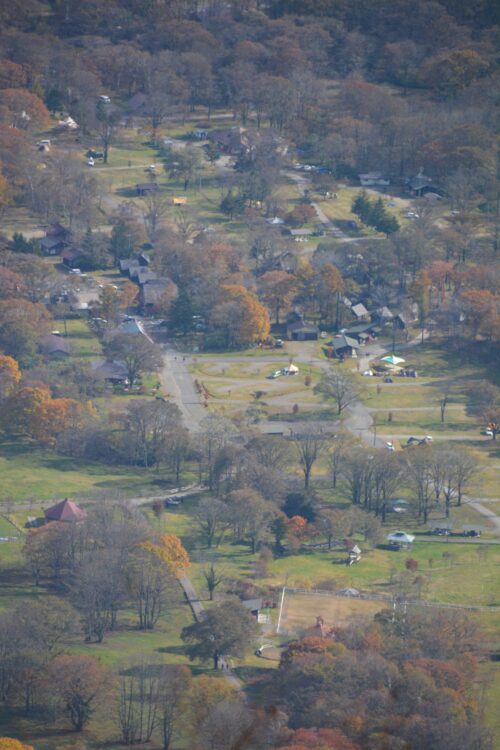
(31, 473)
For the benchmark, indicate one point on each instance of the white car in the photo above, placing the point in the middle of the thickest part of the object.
(368, 373)
(488, 432)
(104, 99)
(390, 446)
(91, 162)
(428, 438)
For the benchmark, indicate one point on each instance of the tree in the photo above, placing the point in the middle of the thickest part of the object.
(419, 462)
(138, 702)
(174, 684)
(23, 110)
(240, 317)
(107, 121)
(420, 290)
(328, 285)
(333, 524)
(137, 352)
(78, 682)
(276, 289)
(211, 517)
(127, 234)
(149, 582)
(309, 445)
(339, 385)
(186, 164)
(213, 578)
(205, 693)
(7, 743)
(99, 592)
(227, 630)
(484, 402)
(171, 551)
(148, 427)
(11, 283)
(480, 308)
(446, 391)
(10, 376)
(250, 515)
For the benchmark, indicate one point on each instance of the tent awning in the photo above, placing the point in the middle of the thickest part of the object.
(393, 360)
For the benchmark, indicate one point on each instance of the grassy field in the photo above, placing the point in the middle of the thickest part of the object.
(29, 473)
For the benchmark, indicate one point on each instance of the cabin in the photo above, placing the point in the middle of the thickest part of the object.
(302, 331)
(344, 346)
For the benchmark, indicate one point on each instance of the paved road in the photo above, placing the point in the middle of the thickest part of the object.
(179, 385)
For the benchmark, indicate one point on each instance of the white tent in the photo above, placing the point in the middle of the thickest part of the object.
(290, 370)
(400, 537)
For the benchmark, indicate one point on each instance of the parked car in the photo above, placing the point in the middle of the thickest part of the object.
(91, 162)
(170, 502)
(104, 99)
(487, 431)
(274, 375)
(390, 446)
(387, 380)
(473, 533)
(441, 532)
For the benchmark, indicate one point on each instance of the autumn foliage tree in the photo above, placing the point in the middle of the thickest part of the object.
(77, 682)
(239, 317)
(276, 289)
(23, 110)
(171, 551)
(10, 376)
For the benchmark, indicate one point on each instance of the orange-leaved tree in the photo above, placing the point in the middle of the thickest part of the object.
(8, 743)
(171, 551)
(276, 289)
(77, 682)
(10, 375)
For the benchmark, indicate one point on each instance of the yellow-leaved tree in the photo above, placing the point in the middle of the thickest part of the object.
(8, 743)
(171, 551)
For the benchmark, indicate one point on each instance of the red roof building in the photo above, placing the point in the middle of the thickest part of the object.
(65, 511)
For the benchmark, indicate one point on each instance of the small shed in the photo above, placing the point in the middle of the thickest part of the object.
(66, 510)
(253, 605)
(302, 331)
(360, 311)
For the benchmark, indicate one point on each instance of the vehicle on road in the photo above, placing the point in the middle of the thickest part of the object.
(390, 446)
(487, 431)
(274, 375)
(170, 502)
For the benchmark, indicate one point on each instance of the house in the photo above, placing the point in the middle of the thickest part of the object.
(419, 185)
(54, 346)
(52, 245)
(360, 312)
(145, 188)
(344, 346)
(110, 371)
(370, 179)
(82, 309)
(383, 316)
(253, 606)
(55, 240)
(302, 331)
(144, 275)
(72, 257)
(303, 232)
(363, 332)
(153, 292)
(230, 140)
(65, 511)
(133, 327)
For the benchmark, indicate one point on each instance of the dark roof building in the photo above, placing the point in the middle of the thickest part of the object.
(301, 331)
(54, 346)
(65, 511)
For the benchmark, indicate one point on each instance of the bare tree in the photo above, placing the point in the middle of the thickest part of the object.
(138, 703)
(99, 592)
(155, 207)
(173, 684)
(339, 385)
(445, 393)
(213, 578)
(211, 517)
(149, 585)
(309, 446)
